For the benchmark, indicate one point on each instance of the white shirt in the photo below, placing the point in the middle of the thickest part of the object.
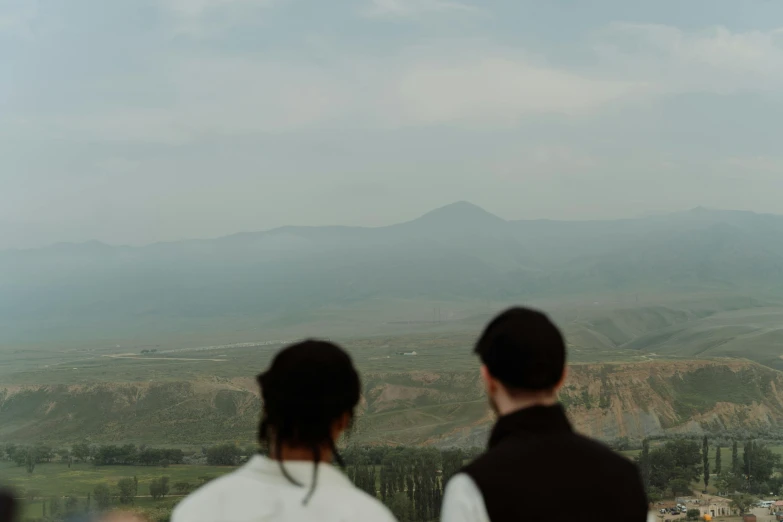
(259, 492)
(463, 501)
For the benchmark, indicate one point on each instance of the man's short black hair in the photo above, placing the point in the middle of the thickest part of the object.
(523, 349)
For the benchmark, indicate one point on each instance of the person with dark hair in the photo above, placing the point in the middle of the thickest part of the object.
(309, 394)
(536, 466)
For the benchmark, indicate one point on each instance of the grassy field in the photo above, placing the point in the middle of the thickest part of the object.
(598, 327)
(80, 479)
(58, 479)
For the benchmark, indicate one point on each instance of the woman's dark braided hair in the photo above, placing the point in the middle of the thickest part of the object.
(307, 388)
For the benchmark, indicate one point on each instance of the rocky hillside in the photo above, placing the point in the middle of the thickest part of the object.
(444, 408)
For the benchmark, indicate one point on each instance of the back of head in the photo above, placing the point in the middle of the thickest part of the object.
(308, 387)
(524, 350)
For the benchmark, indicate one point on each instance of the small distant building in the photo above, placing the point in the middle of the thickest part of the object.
(410, 353)
(716, 507)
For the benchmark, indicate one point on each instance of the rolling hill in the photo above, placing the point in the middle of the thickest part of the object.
(418, 407)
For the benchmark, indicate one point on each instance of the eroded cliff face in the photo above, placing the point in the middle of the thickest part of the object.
(606, 401)
(634, 400)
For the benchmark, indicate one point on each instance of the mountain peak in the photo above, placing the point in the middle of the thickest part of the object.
(461, 210)
(460, 218)
(460, 205)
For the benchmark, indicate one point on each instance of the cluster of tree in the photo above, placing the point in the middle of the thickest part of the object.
(82, 452)
(28, 456)
(145, 351)
(159, 488)
(754, 473)
(129, 454)
(409, 481)
(223, 455)
(705, 460)
(104, 495)
(60, 509)
(416, 474)
(65, 456)
(675, 465)
(127, 490)
(111, 455)
(624, 444)
(742, 502)
(759, 464)
(56, 508)
(361, 471)
(672, 466)
(160, 456)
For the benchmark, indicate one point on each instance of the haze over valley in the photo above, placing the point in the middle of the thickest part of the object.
(663, 308)
(459, 253)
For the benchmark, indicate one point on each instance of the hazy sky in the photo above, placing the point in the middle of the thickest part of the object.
(132, 121)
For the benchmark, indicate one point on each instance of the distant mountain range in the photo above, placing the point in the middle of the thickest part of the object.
(456, 252)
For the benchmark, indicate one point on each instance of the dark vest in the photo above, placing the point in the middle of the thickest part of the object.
(538, 469)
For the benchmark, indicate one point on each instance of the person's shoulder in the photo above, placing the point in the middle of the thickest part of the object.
(460, 488)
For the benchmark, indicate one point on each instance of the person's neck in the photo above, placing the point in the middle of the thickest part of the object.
(288, 452)
(514, 404)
